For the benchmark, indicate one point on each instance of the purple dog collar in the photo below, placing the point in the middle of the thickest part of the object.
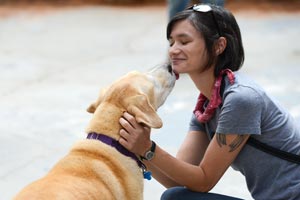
(114, 143)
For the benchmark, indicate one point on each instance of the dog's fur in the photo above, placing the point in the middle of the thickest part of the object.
(94, 170)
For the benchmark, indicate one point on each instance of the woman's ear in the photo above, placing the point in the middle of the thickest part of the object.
(220, 45)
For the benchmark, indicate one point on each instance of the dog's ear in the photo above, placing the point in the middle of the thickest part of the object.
(140, 107)
(92, 108)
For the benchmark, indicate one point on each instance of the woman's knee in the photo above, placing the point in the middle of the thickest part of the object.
(182, 193)
(174, 193)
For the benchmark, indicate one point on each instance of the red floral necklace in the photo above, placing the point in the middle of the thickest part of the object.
(216, 99)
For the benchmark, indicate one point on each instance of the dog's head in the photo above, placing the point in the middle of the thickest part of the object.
(140, 94)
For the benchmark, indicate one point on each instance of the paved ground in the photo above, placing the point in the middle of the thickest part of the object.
(53, 64)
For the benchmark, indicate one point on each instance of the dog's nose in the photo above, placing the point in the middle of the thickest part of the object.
(171, 71)
(169, 67)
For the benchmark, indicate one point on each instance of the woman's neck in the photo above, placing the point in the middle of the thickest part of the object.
(204, 81)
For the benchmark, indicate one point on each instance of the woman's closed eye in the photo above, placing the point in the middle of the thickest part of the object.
(181, 42)
(184, 42)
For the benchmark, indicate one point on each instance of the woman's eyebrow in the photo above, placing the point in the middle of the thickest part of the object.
(181, 35)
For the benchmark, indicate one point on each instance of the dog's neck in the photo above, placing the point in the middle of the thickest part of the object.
(114, 143)
(106, 120)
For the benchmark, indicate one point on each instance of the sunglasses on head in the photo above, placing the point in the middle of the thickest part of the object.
(204, 8)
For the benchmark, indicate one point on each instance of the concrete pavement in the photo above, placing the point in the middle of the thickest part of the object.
(53, 64)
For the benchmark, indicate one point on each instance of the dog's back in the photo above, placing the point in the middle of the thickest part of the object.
(91, 170)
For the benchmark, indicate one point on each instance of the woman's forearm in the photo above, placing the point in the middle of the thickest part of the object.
(160, 176)
(164, 166)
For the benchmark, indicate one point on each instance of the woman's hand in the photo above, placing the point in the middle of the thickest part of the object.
(134, 136)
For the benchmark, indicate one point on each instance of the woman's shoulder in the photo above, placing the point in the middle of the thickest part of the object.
(244, 90)
(245, 82)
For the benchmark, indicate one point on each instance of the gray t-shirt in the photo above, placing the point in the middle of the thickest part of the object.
(247, 109)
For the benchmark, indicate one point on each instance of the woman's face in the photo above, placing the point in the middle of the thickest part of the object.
(187, 50)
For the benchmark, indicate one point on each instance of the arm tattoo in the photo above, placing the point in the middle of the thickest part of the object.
(221, 139)
(236, 142)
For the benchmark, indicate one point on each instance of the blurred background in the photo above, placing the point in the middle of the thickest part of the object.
(56, 55)
(238, 4)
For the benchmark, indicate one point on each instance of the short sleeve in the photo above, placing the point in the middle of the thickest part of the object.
(241, 112)
(195, 125)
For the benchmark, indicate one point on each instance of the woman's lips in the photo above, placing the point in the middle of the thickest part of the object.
(177, 61)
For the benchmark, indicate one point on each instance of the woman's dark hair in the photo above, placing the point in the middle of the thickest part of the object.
(233, 55)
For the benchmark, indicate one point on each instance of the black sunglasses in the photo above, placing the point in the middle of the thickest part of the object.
(204, 8)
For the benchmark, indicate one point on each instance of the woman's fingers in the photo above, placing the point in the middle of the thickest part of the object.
(131, 119)
(126, 125)
(124, 134)
(122, 140)
(134, 136)
(127, 132)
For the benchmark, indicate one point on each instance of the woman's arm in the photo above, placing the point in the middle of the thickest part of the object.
(191, 151)
(194, 172)
(202, 178)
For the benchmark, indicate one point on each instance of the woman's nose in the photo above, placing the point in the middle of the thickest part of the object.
(173, 50)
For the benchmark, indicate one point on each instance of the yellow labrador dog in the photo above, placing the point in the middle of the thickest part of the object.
(99, 167)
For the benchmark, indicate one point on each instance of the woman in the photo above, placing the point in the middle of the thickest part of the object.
(205, 43)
